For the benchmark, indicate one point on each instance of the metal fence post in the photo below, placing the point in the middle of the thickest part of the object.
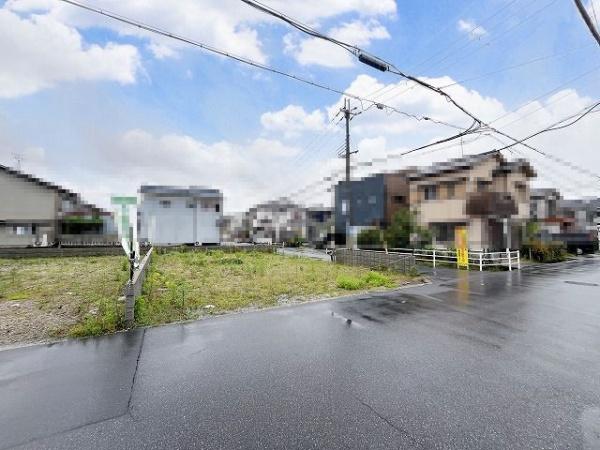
(509, 259)
(518, 259)
(434, 258)
(480, 261)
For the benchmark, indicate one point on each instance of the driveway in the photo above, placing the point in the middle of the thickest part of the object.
(473, 360)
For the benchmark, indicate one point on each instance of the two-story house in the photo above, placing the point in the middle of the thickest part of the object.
(484, 193)
(174, 215)
(34, 212)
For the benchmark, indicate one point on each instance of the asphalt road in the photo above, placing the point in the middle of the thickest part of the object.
(492, 360)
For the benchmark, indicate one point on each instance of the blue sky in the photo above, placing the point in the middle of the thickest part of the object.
(101, 107)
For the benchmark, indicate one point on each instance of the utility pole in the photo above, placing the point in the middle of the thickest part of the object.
(348, 116)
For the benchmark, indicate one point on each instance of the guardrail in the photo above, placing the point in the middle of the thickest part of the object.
(133, 288)
(480, 260)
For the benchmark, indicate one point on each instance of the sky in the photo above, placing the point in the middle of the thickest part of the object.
(101, 107)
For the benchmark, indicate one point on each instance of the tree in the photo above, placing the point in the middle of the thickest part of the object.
(370, 238)
(532, 229)
(404, 224)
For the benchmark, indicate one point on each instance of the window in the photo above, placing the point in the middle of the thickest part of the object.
(20, 230)
(217, 207)
(450, 190)
(165, 203)
(191, 204)
(372, 200)
(482, 185)
(344, 207)
(398, 199)
(430, 192)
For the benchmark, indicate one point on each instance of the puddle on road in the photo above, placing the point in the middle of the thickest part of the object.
(380, 310)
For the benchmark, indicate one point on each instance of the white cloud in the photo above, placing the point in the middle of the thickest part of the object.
(359, 33)
(470, 28)
(226, 24)
(40, 52)
(314, 51)
(314, 10)
(245, 171)
(292, 120)
(162, 51)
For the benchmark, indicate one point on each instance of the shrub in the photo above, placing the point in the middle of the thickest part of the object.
(376, 279)
(546, 252)
(350, 283)
(370, 279)
(296, 241)
(369, 238)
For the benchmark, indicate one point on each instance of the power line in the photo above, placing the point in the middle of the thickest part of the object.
(545, 94)
(555, 126)
(592, 4)
(498, 37)
(210, 48)
(386, 66)
(516, 66)
(586, 18)
(456, 41)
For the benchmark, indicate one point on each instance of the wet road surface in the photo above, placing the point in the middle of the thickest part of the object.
(473, 360)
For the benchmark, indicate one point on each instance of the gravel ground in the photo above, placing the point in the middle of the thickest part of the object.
(43, 299)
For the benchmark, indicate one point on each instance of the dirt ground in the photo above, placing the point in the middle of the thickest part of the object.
(49, 298)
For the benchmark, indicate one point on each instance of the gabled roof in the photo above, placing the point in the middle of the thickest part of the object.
(518, 165)
(63, 192)
(454, 165)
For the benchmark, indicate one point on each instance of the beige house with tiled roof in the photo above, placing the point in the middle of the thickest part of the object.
(485, 193)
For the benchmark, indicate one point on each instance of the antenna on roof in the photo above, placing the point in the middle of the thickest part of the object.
(18, 157)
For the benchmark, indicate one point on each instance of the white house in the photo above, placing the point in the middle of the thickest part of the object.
(172, 215)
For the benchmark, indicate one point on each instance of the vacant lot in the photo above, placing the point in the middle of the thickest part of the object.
(186, 285)
(57, 297)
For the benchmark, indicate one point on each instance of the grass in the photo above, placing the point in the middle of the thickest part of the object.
(77, 296)
(186, 285)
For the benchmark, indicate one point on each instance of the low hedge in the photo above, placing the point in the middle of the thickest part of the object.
(545, 252)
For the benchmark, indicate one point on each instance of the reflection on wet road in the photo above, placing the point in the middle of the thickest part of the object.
(471, 360)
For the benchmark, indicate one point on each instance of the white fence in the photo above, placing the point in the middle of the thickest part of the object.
(509, 258)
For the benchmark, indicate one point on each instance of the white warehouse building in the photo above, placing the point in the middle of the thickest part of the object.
(173, 215)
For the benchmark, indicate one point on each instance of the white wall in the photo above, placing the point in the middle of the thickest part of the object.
(176, 225)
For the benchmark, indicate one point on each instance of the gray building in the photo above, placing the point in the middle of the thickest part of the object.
(374, 201)
(543, 203)
(276, 221)
(319, 225)
(34, 212)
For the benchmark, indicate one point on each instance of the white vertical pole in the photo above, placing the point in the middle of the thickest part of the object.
(480, 261)
(509, 260)
(434, 258)
(519, 259)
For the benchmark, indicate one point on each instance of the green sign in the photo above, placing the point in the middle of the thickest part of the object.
(123, 221)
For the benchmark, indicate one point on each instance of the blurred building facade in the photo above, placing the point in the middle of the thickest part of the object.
(276, 222)
(176, 215)
(34, 212)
